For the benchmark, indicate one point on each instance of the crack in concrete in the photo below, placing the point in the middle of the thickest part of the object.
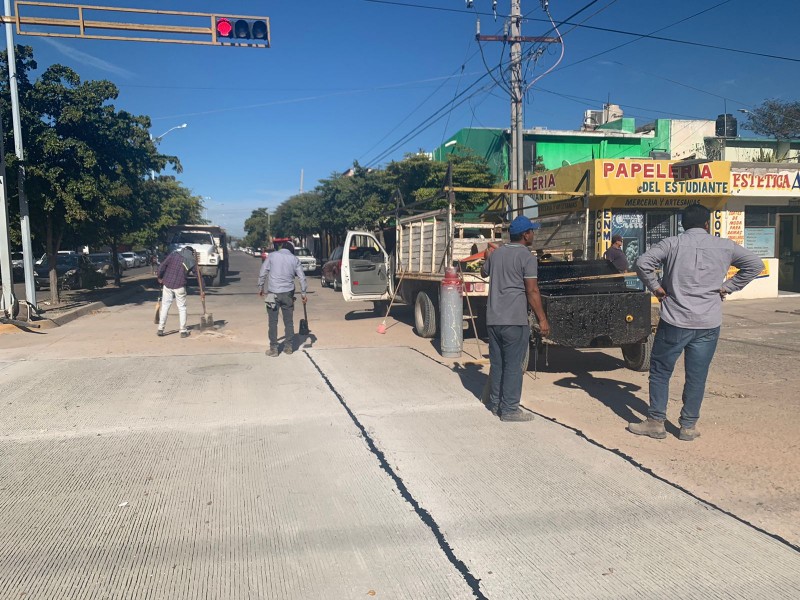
(424, 516)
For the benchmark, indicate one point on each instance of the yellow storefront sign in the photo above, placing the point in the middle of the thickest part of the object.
(764, 273)
(561, 207)
(637, 183)
(660, 179)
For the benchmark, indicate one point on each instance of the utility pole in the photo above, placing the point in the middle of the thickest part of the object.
(24, 213)
(515, 39)
(6, 271)
(302, 173)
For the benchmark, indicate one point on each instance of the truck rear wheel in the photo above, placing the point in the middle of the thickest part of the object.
(637, 356)
(424, 316)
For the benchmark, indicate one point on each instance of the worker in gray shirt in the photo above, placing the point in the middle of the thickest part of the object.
(278, 271)
(512, 289)
(691, 291)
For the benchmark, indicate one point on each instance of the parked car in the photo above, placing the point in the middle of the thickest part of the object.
(307, 260)
(70, 269)
(332, 270)
(144, 258)
(103, 263)
(130, 259)
(17, 266)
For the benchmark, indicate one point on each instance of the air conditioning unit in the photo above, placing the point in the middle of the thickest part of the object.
(592, 119)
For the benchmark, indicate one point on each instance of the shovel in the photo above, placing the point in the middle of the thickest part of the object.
(304, 330)
(206, 320)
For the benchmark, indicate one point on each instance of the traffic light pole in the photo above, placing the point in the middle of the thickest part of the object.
(24, 214)
(7, 305)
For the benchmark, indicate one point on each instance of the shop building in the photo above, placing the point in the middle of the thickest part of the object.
(580, 207)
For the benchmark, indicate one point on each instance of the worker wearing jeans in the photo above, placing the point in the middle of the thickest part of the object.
(698, 346)
(694, 265)
(512, 288)
(278, 272)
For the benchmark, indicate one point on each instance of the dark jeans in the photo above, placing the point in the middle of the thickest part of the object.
(507, 347)
(698, 346)
(285, 303)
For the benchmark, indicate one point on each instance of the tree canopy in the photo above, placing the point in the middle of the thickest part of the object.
(87, 162)
(775, 118)
(358, 198)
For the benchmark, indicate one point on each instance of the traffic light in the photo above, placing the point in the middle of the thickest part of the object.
(243, 29)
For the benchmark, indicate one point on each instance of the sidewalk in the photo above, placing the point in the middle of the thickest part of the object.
(78, 303)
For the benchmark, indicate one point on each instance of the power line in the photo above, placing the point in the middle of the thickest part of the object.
(603, 29)
(697, 14)
(424, 125)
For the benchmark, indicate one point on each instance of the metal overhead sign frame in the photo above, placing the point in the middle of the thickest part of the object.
(81, 24)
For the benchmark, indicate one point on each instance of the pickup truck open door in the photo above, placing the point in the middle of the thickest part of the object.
(366, 269)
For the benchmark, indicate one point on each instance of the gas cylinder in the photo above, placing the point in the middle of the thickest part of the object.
(451, 311)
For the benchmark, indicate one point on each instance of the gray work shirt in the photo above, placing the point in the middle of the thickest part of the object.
(281, 267)
(695, 266)
(509, 266)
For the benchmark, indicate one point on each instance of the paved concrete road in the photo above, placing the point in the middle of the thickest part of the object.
(142, 467)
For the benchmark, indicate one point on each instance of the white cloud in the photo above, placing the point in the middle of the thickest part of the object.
(87, 59)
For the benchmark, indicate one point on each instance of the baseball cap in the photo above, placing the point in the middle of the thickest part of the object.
(521, 224)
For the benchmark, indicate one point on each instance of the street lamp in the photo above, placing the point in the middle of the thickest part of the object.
(157, 140)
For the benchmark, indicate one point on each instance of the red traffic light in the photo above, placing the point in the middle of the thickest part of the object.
(224, 28)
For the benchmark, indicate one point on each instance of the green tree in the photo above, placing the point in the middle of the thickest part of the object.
(420, 179)
(176, 205)
(257, 229)
(775, 118)
(85, 160)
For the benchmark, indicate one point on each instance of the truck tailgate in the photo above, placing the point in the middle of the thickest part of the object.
(598, 320)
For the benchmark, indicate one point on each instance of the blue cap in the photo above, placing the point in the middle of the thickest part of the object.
(521, 225)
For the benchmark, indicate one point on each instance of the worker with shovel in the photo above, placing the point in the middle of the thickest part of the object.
(172, 277)
(278, 272)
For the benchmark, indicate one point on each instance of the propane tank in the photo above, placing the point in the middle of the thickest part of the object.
(451, 310)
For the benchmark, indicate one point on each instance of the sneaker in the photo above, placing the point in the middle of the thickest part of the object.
(272, 352)
(160, 333)
(184, 334)
(649, 427)
(688, 434)
(516, 416)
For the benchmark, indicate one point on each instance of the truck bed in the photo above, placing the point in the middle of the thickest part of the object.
(599, 311)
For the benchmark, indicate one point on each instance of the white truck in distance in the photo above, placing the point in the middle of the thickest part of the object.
(210, 244)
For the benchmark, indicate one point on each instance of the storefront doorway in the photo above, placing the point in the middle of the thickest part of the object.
(789, 253)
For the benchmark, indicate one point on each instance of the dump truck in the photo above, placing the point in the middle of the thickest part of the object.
(210, 243)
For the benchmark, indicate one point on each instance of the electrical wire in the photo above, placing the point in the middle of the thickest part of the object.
(683, 20)
(606, 30)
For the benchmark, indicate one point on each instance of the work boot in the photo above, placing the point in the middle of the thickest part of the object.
(650, 427)
(288, 350)
(688, 434)
(160, 333)
(493, 408)
(184, 334)
(516, 416)
(272, 352)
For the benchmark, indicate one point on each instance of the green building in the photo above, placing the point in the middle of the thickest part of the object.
(545, 149)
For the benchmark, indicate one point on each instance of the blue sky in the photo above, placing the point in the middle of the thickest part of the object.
(345, 80)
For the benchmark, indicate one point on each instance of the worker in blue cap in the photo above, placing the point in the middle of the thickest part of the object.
(512, 289)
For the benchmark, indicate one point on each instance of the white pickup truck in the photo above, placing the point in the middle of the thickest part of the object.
(419, 248)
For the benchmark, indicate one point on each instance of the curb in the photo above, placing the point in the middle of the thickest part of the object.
(81, 311)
